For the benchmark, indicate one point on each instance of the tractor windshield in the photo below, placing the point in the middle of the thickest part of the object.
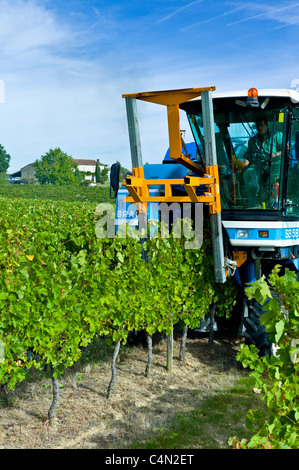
(249, 146)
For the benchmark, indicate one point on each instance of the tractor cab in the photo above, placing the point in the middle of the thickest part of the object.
(257, 149)
(256, 136)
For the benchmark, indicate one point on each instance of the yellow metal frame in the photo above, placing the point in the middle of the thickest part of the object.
(240, 257)
(138, 186)
(172, 99)
(138, 189)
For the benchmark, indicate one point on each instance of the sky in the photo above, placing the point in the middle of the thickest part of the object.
(64, 66)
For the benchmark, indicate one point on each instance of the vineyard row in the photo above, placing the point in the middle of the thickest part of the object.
(61, 286)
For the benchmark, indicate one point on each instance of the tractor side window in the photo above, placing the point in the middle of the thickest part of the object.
(262, 163)
(292, 204)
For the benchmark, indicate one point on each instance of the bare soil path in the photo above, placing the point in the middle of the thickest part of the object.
(136, 408)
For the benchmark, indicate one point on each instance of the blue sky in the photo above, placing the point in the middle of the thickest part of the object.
(65, 65)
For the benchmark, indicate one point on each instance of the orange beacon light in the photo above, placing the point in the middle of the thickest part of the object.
(252, 99)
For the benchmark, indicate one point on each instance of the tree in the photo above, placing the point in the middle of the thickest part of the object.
(4, 159)
(56, 167)
(104, 175)
(79, 175)
(98, 173)
(101, 175)
(122, 171)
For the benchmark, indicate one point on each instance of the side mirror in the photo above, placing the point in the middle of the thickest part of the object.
(114, 180)
(297, 145)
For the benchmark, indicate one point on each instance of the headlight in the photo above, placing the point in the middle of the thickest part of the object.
(242, 233)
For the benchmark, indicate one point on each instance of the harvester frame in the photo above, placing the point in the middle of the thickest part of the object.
(250, 234)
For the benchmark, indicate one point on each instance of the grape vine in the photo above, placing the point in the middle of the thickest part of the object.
(276, 376)
(61, 285)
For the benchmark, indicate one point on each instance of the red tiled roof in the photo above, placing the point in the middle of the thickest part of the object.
(80, 161)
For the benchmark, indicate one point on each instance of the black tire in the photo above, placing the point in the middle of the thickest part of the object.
(255, 333)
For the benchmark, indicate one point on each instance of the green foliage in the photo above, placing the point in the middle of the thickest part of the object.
(94, 194)
(101, 175)
(3, 179)
(277, 376)
(60, 285)
(203, 286)
(56, 167)
(122, 171)
(43, 283)
(4, 159)
(97, 173)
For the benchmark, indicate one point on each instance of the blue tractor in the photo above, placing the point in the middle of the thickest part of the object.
(242, 169)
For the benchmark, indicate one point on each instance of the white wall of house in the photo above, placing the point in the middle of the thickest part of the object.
(88, 166)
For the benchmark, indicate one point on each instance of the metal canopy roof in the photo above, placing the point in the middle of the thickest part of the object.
(270, 92)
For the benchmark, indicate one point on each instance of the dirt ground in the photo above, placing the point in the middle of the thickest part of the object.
(135, 409)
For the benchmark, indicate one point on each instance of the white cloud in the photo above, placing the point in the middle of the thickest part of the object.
(178, 11)
(26, 27)
(213, 18)
(269, 12)
(53, 97)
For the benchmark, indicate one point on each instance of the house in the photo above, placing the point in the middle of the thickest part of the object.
(88, 167)
(28, 174)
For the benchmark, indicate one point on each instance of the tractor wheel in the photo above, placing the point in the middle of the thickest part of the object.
(255, 333)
